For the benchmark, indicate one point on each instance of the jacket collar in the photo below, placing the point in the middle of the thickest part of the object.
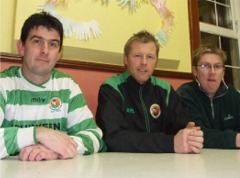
(128, 77)
(222, 90)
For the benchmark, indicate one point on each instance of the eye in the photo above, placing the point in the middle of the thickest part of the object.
(205, 66)
(53, 44)
(36, 40)
(218, 66)
(151, 57)
(138, 56)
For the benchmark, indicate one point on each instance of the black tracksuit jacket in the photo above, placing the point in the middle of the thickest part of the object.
(218, 117)
(139, 117)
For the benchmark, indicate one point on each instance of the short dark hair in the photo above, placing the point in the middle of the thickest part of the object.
(142, 36)
(208, 49)
(41, 19)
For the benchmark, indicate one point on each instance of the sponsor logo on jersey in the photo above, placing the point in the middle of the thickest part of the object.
(155, 111)
(38, 100)
(55, 104)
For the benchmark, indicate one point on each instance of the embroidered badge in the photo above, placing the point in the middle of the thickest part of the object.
(130, 110)
(228, 117)
(55, 103)
(155, 111)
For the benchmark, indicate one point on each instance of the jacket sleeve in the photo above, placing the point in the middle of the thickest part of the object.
(119, 134)
(213, 137)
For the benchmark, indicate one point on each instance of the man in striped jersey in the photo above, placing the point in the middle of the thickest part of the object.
(43, 113)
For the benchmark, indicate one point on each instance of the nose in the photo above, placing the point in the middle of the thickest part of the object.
(212, 69)
(44, 48)
(144, 60)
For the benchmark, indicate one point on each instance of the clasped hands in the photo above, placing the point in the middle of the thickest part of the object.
(52, 145)
(189, 139)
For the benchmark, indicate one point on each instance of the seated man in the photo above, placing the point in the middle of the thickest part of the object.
(209, 102)
(140, 113)
(43, 113)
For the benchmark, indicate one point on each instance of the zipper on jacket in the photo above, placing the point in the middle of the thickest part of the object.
(144, 110)
(212, 108)
(212, 105)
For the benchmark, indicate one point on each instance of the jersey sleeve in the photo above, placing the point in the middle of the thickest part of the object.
(82, 126)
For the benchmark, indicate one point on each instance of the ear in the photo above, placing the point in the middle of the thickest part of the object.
(59, 55)
(20, 48)
(125, 60)
(194, 71)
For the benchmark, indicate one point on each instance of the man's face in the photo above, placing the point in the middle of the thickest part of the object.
(210, 79)
(40, 52)
(141, 60)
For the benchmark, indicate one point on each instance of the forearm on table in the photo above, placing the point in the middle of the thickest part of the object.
(214, 138)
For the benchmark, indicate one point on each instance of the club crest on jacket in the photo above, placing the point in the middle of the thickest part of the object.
(155, 110)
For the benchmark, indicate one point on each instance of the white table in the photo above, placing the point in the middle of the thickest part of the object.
(211, 163)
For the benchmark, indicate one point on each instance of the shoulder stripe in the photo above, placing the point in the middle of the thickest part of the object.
(117, 80)
(10, 72)
(163, 84)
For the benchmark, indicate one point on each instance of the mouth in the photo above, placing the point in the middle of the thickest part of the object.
(142, 70)
(43, 60)
(211, 80)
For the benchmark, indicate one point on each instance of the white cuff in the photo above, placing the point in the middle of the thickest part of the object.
(25, 137)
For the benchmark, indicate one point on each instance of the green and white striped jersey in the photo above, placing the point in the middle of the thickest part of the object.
(58, 104)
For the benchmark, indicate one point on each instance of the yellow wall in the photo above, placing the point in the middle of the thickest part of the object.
(116, 25)
(7, 16)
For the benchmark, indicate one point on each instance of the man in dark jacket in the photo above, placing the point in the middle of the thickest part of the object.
(140, 113)
(209, 102)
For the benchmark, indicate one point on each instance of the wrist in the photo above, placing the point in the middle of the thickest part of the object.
(35, 135)
(39, 133)
(238, 140)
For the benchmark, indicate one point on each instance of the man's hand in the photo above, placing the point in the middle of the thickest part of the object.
(37, 153)
(57, 141)
(238, 140)
(195, 141)
(189, 140)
